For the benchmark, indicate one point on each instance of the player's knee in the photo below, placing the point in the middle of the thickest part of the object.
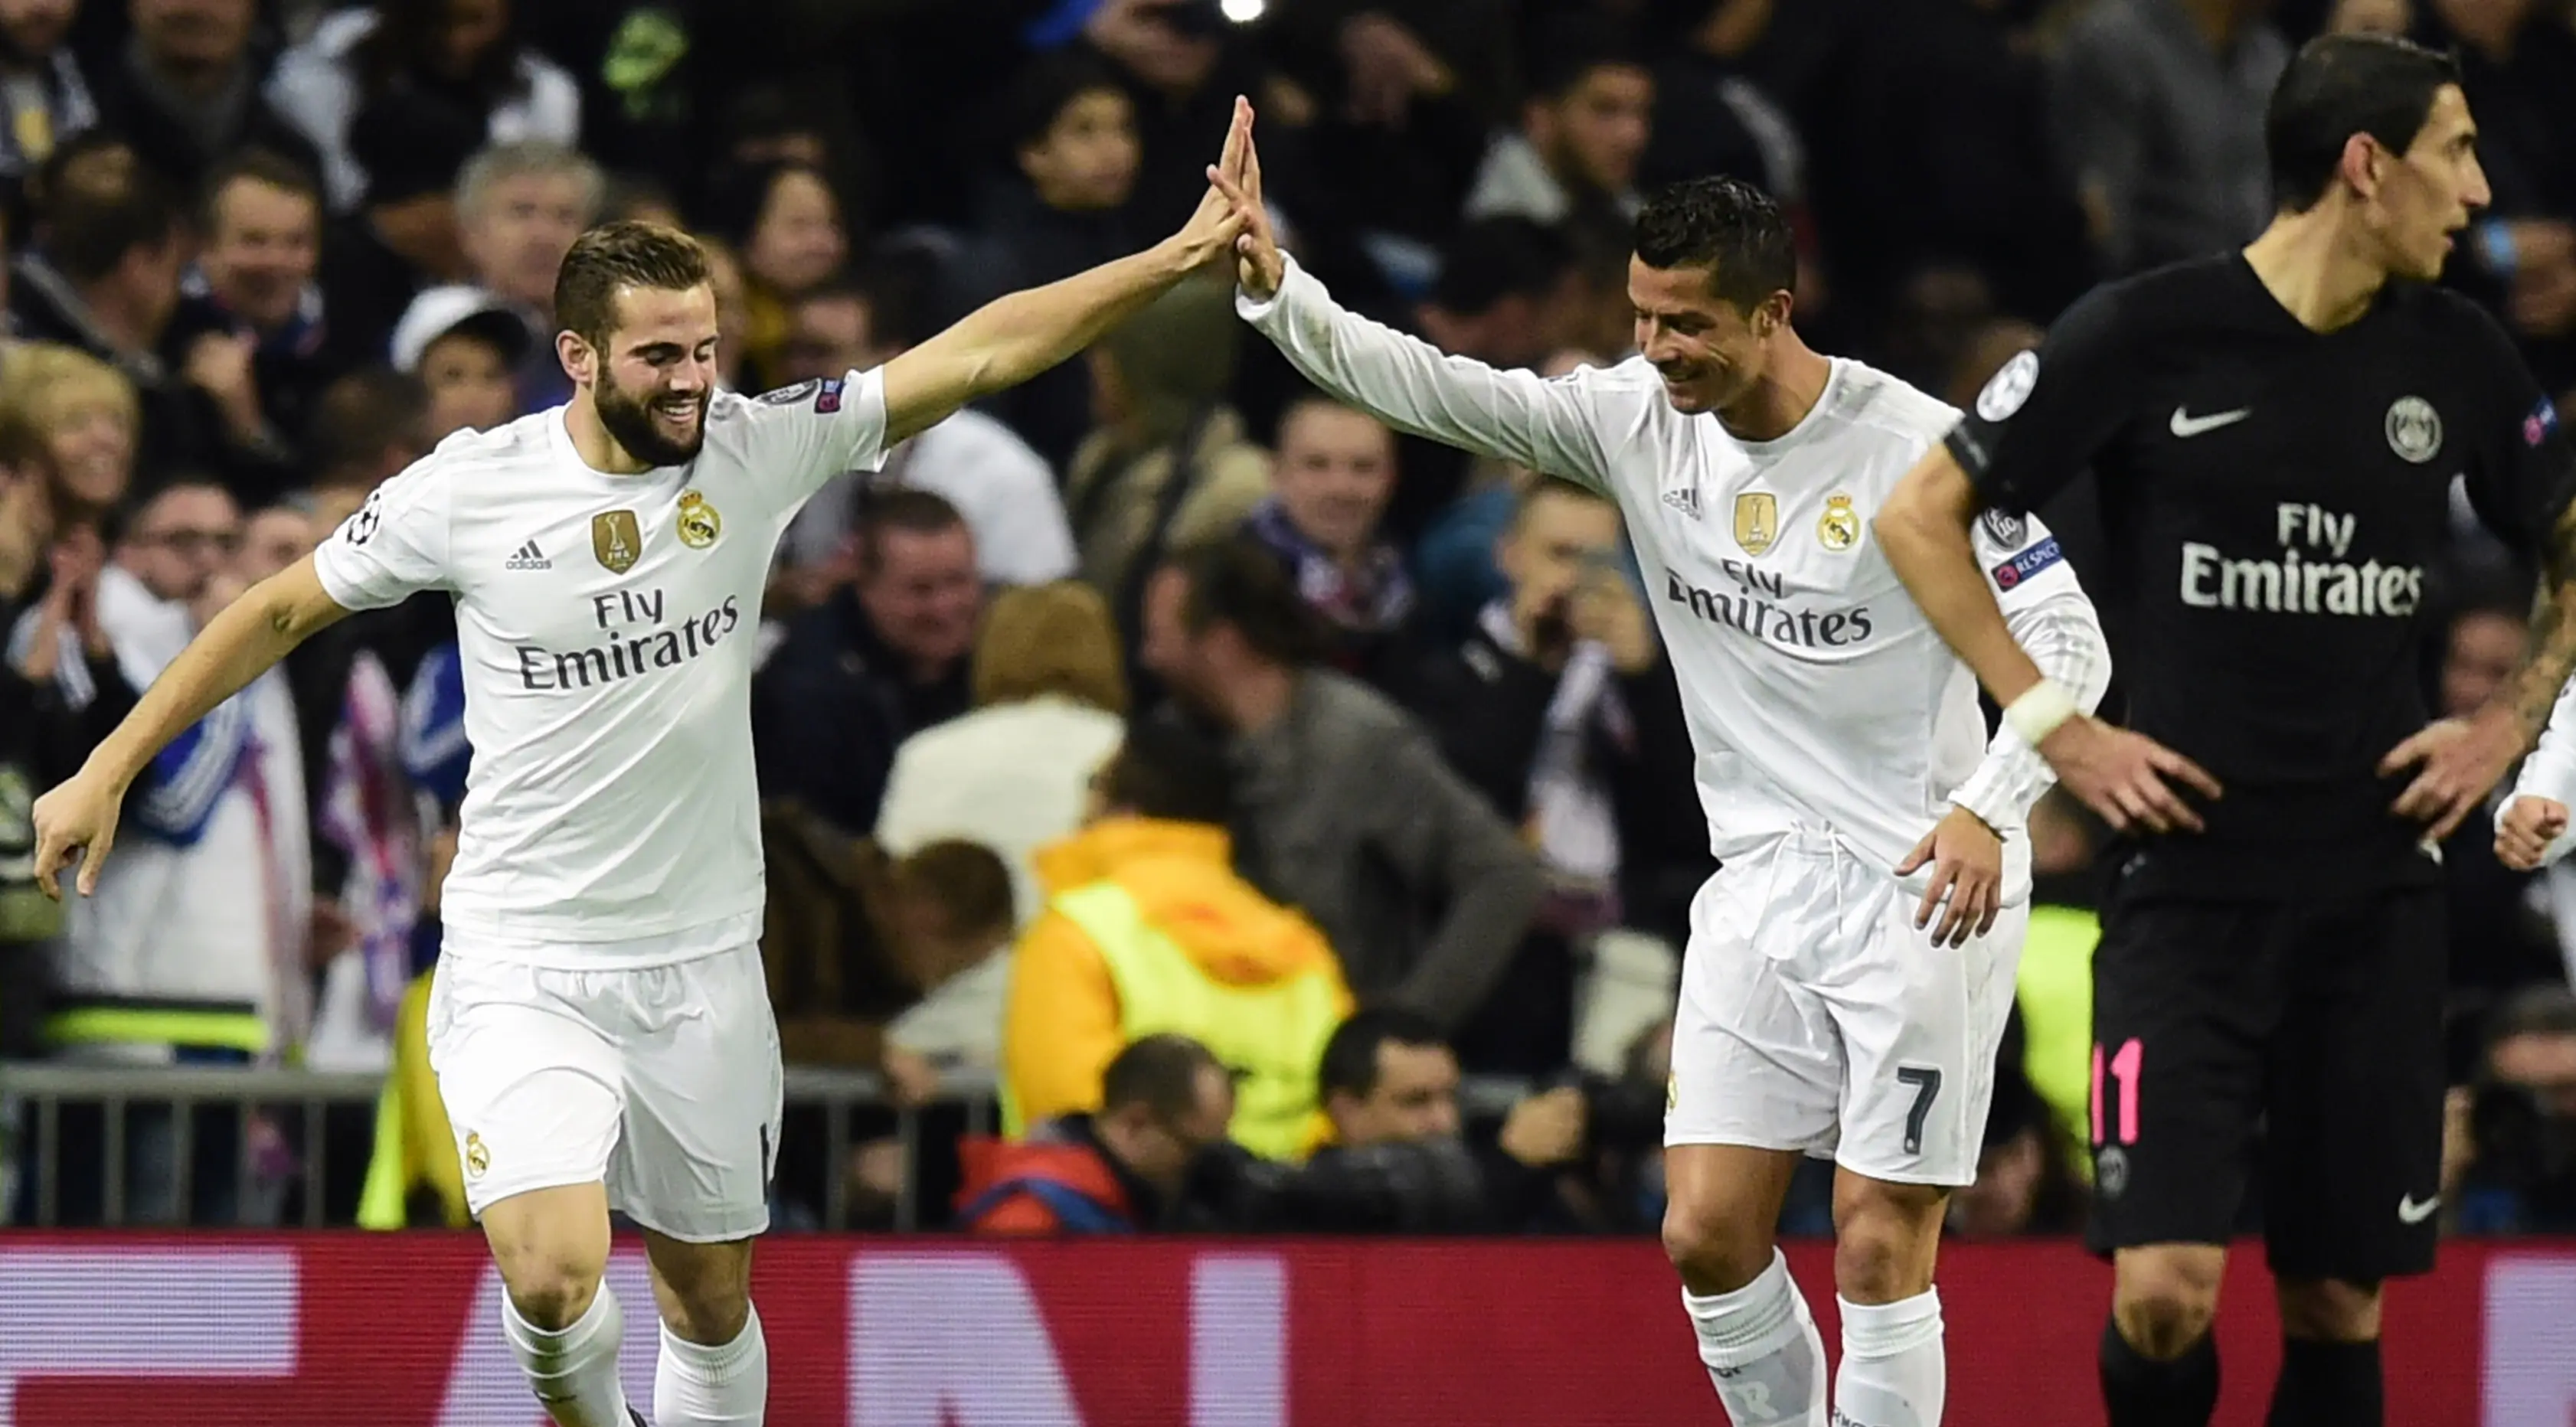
(551, 1291)
(2327, 1310)
(2165, 1301)
(704, 1294)
(1886, 1237)
(1716, 1251)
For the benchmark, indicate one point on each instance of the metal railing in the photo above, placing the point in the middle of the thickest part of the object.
(34, 1094)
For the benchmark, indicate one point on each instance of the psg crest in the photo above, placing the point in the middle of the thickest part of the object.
(2414, 429)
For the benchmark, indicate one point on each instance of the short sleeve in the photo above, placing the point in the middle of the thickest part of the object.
(2041, 419)
(2021, 558)
(2522, 465)
(394, 547)
(804, 435)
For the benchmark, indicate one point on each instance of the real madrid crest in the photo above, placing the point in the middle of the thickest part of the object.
(699, 522)
(1839, 527)
(1757, 521)
(478, 1160)
(2414, 429)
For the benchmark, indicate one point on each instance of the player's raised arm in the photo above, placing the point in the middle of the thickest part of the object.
(238, 645)
(1013, 338)
(1407, 383)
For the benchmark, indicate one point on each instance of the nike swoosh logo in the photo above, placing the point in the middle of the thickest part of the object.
(2187, 425)
(2410, 1212)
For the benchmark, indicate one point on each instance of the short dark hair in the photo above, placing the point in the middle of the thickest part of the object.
(265, 166)
(899, 286)
(2545, 1009)
(1351, 1056)
(622, 254)
(1726, 225)
(1557, 486)
(1237, 581)
(905, 508)
(2339, 86)
(1165, 769)
(1160, 1072)
(95, 213)
(967, 881)
(1494, 258)
(361, 414)
(1044, 88)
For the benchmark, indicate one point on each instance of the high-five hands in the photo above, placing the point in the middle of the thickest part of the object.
(1258, 264)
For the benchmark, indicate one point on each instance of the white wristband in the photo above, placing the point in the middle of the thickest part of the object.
(2040, 709)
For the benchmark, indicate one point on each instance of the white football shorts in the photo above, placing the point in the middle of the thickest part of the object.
(661, 1082)
(1815, 1017)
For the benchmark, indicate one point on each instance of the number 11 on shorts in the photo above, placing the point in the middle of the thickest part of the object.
(2122, 1064)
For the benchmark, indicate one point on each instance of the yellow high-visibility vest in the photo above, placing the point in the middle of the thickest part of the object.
(1271, 1036)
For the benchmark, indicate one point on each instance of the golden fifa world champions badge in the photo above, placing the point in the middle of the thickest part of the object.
(616, 540)
(1757, 521)
(1839, 527)
(699, 522)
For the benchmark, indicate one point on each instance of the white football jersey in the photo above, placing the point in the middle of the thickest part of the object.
(607, 626)
(1817, 693)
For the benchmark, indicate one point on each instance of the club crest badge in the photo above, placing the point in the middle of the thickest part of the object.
(1757, 521)
(699, 523)
(616, 540)
(1839, 527)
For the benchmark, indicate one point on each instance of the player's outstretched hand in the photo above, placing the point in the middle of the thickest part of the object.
(1967, 861)
(1258, 265)
(2122, 775)
(1218, 221)
(2529, 826)
(2458, 761)
(77, 818)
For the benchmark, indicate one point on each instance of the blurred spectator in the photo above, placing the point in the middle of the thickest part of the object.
(404, 236)
(1002, 488)
(638, 198)
(465, 345)
(2159, 105)
(208, 898)
(186, 91)
(104, 277)
(2393, 18)
(1561, 710)
(518, 209)
(1169, 464)
(830, 942)
(1182, 64)
(1455, 556)
(2053, 988)
(48, 100)
(1582, 134)
(783, 221)
(1061, 209)
(249, 330)
(1501, 282)
(72, 421)
(2518, 66)
(459, 58)
(876, 662)
(1049, 689)
(1398, 1163)
(954, 922)
(60, 692)
(1344, 808)
(2499, 938)
(2519, 1173)
(366, 427)
(1165, 1102)
(1330, 484)
(733, 312)
(1148, 928)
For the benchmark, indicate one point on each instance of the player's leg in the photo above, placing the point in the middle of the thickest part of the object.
(1754, 1071)
(531, 1090)
(2184, 1000)
(1920, 1025)
(704, 1087)
(2352, 1165)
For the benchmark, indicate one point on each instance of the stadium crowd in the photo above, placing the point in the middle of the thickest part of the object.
(1215, 772)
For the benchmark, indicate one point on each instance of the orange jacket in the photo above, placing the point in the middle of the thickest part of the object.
(1061, 1023)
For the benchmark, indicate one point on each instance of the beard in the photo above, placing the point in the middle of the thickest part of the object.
(628, 417)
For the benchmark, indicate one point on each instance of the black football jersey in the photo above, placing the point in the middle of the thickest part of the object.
(2273, 501)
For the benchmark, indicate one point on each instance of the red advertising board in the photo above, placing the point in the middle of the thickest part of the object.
(402, 1331)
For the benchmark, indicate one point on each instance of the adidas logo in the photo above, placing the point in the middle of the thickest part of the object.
(528, 557)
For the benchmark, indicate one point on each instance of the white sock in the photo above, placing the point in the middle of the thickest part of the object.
(574, 1372)
(1894, 1373)
(1762, 1350)
(698, 1386)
